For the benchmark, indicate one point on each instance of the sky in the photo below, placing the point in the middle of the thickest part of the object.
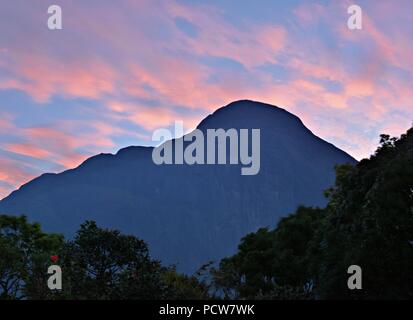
(117, 71)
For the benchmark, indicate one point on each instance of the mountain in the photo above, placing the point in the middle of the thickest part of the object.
(187, 214)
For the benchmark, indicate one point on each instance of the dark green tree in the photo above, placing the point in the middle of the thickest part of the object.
(369, 222)
(184, 287)
(97, 264)
(272, 264)
(105, 264)
(24, 257)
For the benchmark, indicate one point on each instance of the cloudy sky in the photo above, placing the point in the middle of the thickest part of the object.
(119, 70)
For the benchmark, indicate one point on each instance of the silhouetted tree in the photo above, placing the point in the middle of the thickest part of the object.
(24, 257)
(272, 264)
(368, 222)
(97, 264)
(104, 264)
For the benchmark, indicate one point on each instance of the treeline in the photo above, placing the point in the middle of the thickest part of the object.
(368, 222)
(97, 264)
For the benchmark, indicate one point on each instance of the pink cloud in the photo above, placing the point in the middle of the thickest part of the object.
(14, 173)
(42, 79)
(152, 118)
(27, 149)
(216, 37)
(309, 14)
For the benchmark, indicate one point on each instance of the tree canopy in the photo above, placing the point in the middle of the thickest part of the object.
(98, 264)
(368, 222)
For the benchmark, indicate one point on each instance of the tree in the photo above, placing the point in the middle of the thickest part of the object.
(104, 264)
(183, 287)
(369, 222)
(272, 264)
(97, 264)
(24, 256)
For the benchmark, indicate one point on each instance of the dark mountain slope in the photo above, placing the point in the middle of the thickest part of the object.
(189, 214)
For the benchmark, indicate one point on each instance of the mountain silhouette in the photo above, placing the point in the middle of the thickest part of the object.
(189, 214)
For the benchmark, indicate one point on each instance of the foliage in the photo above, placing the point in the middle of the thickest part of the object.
(24, 256)
(98, 264)
(272, 264)
(367, 222)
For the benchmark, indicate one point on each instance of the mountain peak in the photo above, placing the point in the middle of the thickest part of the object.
(247, 113)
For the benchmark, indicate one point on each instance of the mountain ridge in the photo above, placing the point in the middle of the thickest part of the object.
(166, 205)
